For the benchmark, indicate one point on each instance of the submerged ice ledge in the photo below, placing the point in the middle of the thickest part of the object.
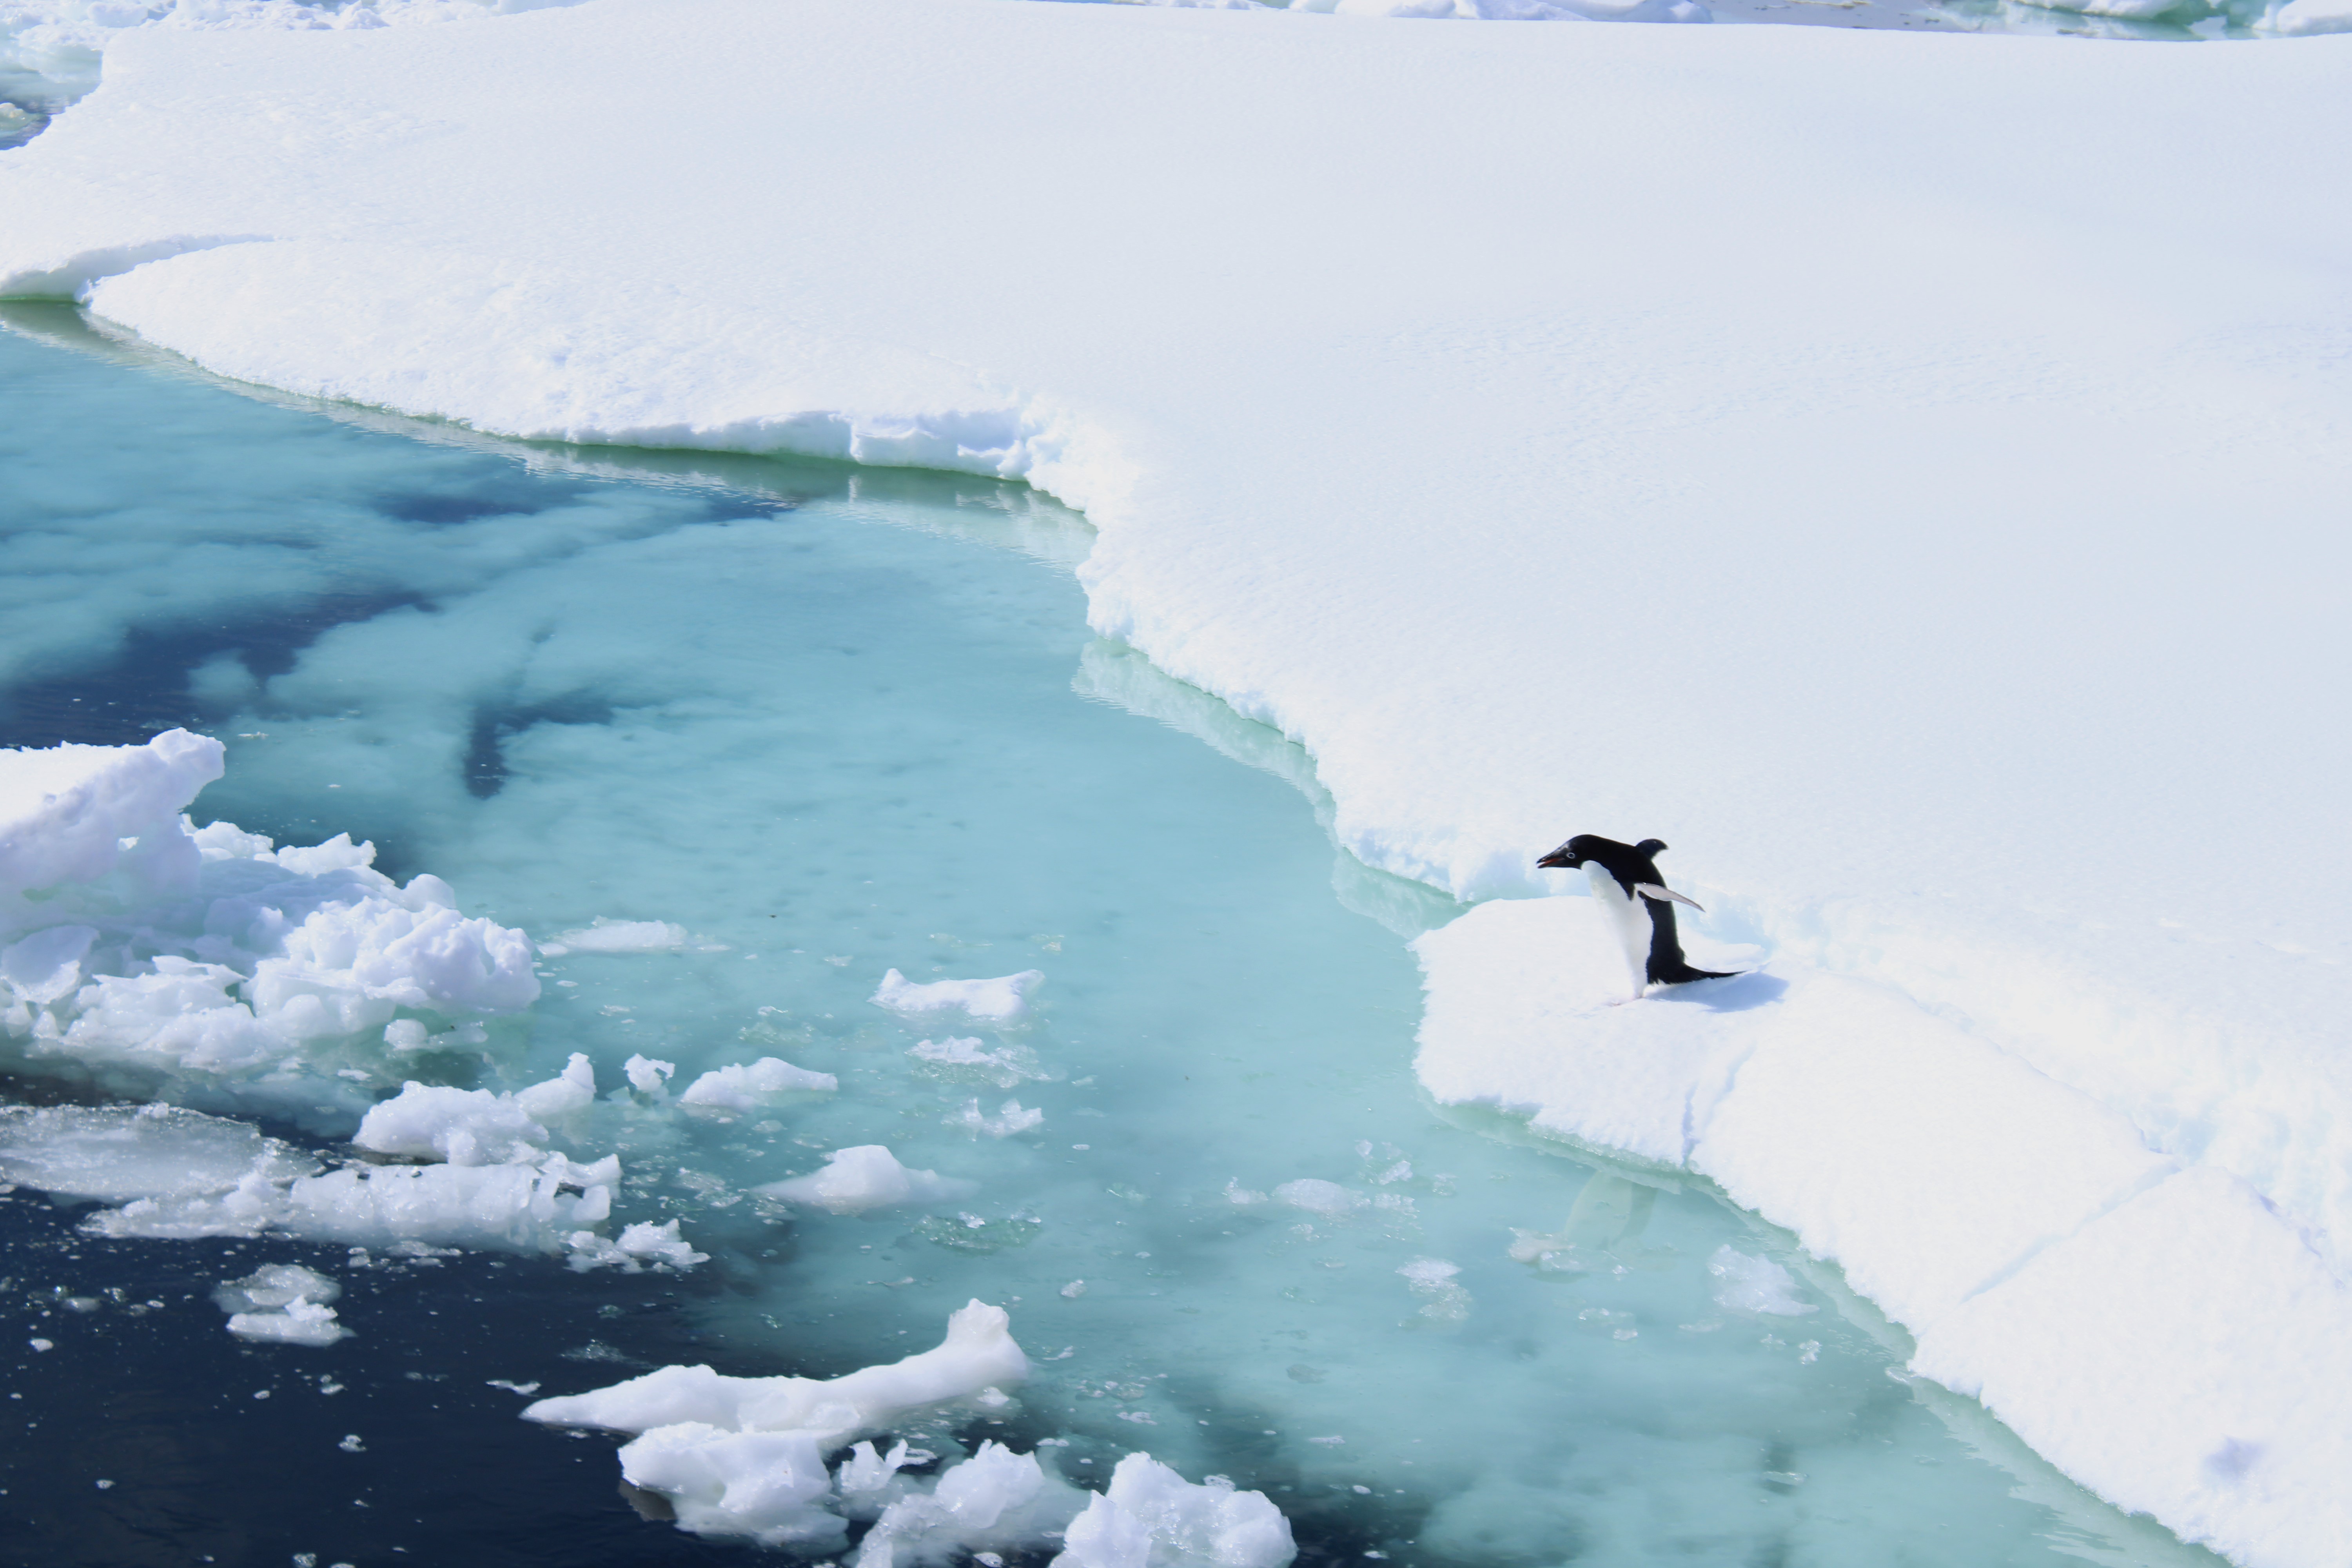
(2153, 1326)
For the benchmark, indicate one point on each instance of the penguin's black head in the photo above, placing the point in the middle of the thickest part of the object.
(1572, 853)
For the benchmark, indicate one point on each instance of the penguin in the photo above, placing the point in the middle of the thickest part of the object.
(1640, 906)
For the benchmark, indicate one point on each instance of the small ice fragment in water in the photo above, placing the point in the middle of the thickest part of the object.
(866, 1177)
(1237, 1194)
(1075, 1289)
(525, 1389)
(1746, 1284)
(742, 1086)
(1009, 1119)
(1004, 999)
(282, 1303)
(352, 1443)
(602, 935)
(1317, 1196)
(42, 1344)
(637, 1247)
(647, 1075)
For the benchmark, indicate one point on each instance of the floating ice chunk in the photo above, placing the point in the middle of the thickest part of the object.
(299, 1323)
(1317, 1196)
(997, 1500)
(283, 1303)
(256, 951)
(74, 815)
(602, 935)
(770, 1486)
(868, 1176)
(741, 1087)
(46, 965)
(1240, 1196)
(275, 1285)
(121, 1152)
(638, 1246)
(1745, 1284)
(1004, 1000)
(1153, 1518)
(567, 1093)
(647, 1075)
(515, 1209)
(463, 1126)
(1004, 1066)
(1010, 1117)
(866, 1482)
(977, 1354)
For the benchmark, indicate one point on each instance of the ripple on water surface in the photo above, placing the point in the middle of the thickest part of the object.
(833, 722)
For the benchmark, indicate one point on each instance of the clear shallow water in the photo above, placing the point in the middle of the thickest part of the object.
(834, 721)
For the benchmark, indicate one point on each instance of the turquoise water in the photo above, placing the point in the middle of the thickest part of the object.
(834, 721)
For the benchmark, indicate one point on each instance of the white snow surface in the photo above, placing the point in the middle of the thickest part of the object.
(1901, 471)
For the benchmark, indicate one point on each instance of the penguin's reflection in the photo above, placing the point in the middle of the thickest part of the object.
(1602, 1230)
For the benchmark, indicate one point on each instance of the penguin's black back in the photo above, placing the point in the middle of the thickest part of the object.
(1631, 865)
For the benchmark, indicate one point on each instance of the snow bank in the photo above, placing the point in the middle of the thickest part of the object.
(1615, 433)
(868, 1178)
(1004, 999)
(135, 939)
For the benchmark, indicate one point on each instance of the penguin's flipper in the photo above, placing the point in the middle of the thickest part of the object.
(1651, 890)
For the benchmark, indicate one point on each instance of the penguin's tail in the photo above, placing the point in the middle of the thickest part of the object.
(1679, 973)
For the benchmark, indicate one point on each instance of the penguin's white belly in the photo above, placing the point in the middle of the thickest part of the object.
(1627, 921)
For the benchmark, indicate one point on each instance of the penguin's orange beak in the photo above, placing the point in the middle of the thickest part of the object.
(1560, 859)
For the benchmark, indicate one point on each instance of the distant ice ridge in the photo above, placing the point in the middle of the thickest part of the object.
(139, 947)
(748, 1456)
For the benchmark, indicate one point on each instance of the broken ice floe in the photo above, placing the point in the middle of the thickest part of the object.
(869, 1176)
(748, 1456)
(1000, 1000)
(130, 937)
(282, 1303)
